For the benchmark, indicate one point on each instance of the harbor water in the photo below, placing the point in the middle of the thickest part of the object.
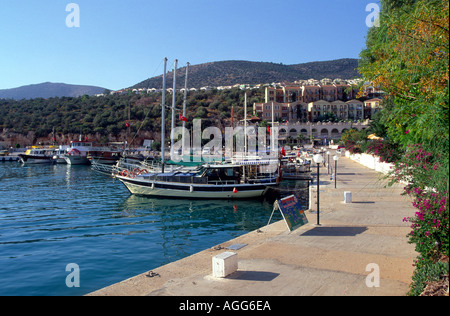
(52, 216)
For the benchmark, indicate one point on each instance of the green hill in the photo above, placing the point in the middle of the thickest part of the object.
(225, 73)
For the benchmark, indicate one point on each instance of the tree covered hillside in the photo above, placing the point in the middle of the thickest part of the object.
(231, 72)
(104, 118)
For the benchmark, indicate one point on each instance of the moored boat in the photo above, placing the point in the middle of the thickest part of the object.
(221, 181)
(58, 155)
(37, 155)
(105, 157)
(77, 153)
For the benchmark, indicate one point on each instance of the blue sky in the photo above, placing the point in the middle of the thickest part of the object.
(120, 43)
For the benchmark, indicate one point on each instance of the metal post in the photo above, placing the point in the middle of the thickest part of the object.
(335, 172)
(318, 223)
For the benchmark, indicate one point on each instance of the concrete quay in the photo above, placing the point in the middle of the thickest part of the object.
(360, 249)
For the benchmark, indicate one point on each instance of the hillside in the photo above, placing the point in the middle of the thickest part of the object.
(224, 73)
(104, 118)
(48, 90)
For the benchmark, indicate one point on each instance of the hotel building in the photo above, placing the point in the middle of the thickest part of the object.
(313, 103)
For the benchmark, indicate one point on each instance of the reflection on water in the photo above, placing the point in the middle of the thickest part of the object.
(54, 215)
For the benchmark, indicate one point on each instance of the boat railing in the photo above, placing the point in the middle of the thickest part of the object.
(222, 182)
(175, 178)
(102, 167)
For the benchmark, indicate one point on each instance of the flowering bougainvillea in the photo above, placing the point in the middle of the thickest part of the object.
(407, 57)
(430, 226)
(387, 150)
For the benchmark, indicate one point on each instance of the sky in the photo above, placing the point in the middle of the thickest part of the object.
(116, 44)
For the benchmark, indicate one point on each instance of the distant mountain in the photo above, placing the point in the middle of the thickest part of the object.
(48, 90)
(225, 73)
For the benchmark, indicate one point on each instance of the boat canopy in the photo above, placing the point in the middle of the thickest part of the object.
(185, 163)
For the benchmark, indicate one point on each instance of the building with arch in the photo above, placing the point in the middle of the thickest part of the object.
(319, 133)
(320, 110)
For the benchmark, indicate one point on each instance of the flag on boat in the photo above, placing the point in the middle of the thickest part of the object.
(268, 128)
(283, 152)
(182, 118)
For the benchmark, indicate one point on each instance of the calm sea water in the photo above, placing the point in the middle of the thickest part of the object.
(54, 215)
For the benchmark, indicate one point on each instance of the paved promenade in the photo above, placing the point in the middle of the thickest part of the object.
(336, 258)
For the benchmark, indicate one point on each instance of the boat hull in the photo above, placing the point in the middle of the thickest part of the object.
(194, 191)
(104, 160)
(32, 159)
(76, 160)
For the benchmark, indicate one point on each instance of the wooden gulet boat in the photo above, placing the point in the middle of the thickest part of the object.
(224, 181)
(242, 179)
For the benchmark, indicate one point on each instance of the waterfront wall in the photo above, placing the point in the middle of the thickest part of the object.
(371, 161)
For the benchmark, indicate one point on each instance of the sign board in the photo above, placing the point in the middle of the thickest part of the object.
(148, 143)
(292, 212)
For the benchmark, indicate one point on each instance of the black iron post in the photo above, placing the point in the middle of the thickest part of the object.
(335, 172)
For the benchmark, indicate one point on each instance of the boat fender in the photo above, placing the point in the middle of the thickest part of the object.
(153, 185)
(143, 171)
(125, 173)
(191, 189)
(235, 190)
(136, 171)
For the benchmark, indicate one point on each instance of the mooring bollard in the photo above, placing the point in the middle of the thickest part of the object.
(347, 197)
(224, 264)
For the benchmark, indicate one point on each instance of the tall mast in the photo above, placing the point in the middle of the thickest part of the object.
(129, 128)
(245, 124)
(272, 141)
(232, 115)
(163, 116)
(172, 132)
(184, 104)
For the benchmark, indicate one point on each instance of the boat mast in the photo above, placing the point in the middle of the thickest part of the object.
(163, 118)
(172, 132)
(245, 124)
(272, 141)
(129, 128)
(184, 105)
(245, 132)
